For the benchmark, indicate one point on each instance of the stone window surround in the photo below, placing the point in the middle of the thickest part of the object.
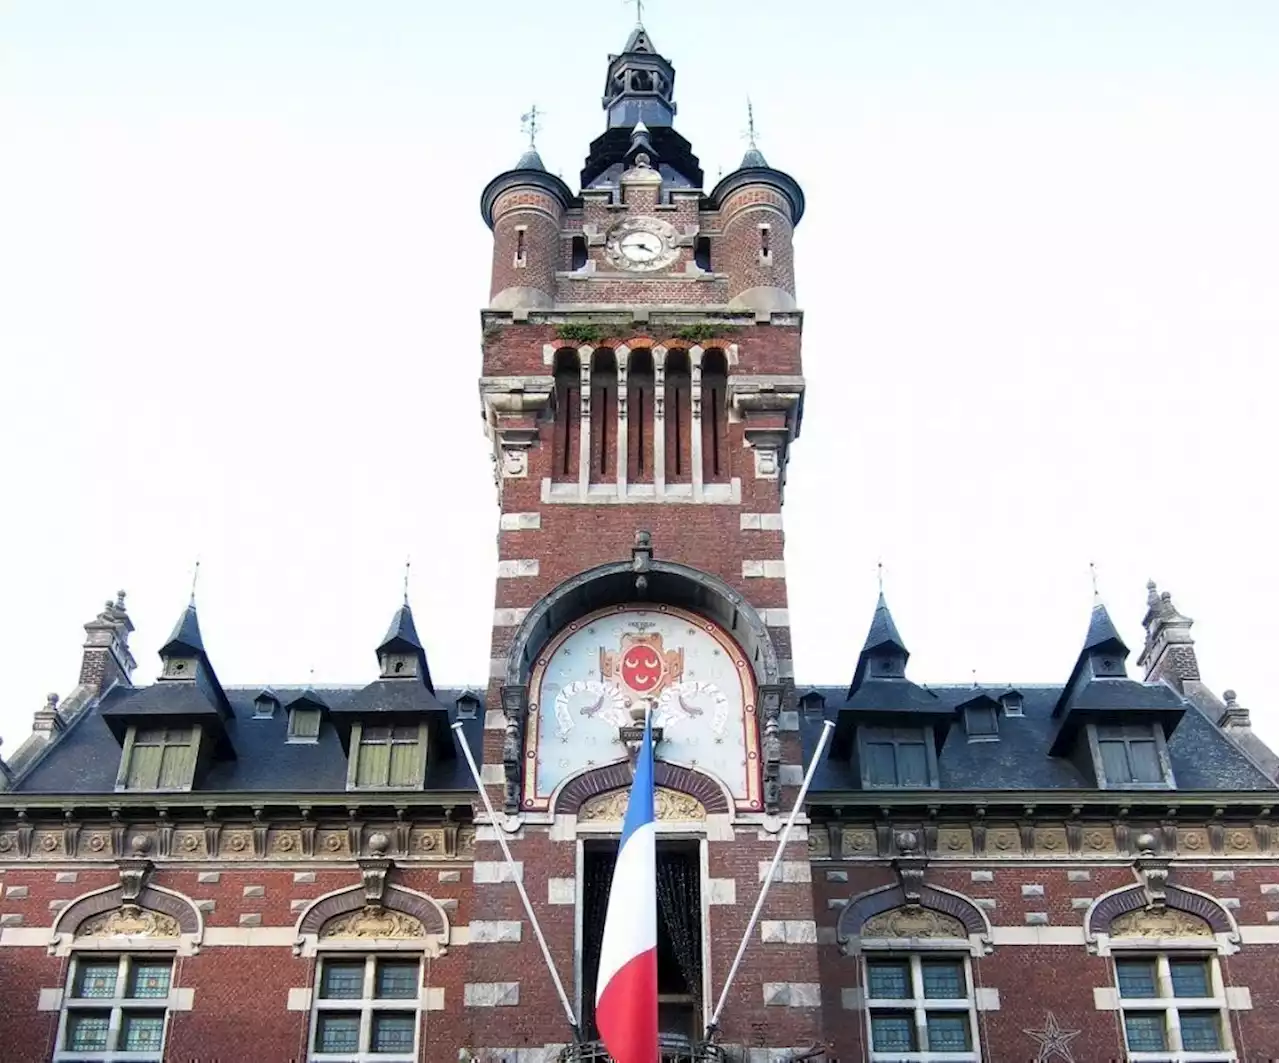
(1166, 1003)
(367, 1005)
(118, 1004)
(918, 1004)
(1098, 918)
(704, 891)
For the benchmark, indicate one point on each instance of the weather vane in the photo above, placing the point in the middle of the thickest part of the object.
(406, 581)
(880, 575)
(195, 576)
(639, 10)
(750, 133)
(1093, 575)
(529, 124)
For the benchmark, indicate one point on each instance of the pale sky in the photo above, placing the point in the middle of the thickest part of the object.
(241, 268)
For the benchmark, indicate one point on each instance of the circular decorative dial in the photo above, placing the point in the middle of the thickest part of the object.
(642, 244)
(596, 676)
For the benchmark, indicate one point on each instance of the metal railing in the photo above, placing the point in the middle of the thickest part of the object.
(671, 1049)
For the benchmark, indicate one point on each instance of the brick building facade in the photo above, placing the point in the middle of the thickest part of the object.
(1081, 870)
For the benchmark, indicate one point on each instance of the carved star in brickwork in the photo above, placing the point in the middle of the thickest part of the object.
(1055, 1042)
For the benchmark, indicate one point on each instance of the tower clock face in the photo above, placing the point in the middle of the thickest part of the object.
(642, 244)
(604, 672)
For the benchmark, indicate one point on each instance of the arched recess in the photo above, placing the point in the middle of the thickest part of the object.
(575, 792)
(937, 911)
(157, 917)
(568, 413)
(667, 582)
(1201, 916)
(345, 918)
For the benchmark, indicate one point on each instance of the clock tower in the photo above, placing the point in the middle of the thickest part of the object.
(641, 389)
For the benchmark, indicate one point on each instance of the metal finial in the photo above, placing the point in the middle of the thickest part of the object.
(529, 124)
(1093, 575)
(973, 672)
(880, 575)
(406, 581)
(639, 10)
(195, 577)
(750, 133)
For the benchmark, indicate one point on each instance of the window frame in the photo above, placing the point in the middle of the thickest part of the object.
(1012, 704)
(367, 1005)
(118, 1005)
(422, 745)
(1170, 1006)
(131, 744)
(878, 735)
(1096, 733)
(972, 711)
(292, 733)
(920, 1006)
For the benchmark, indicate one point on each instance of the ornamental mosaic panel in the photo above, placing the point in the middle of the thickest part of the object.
(602, 672)
(1164, 923)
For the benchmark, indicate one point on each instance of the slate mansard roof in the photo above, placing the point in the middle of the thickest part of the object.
(1202, 756)
(86, 758)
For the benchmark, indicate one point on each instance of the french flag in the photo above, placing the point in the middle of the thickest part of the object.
(627, 984)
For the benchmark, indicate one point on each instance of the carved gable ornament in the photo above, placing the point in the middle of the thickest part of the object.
(667, 805)
(130, 921)
(1159, 923)
(911, 922)
(373, 923)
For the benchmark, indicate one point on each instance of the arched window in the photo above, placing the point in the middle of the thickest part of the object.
(678, 418)
(604, 415)
(640, 417)
(715, 449)
(568, 406)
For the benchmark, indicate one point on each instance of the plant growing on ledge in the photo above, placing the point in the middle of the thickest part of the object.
(704, 331)
(579, 332)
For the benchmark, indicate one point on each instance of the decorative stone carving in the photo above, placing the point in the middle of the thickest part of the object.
(770, 699)
(373, 922)
(954, 840)
(912, 922)
(667, 805)
(514, 709)
(373, 874)
(130, 921)
(859, 842)
(1159, 923)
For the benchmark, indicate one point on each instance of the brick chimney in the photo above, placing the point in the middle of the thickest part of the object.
(106, 656)
(1169, 653)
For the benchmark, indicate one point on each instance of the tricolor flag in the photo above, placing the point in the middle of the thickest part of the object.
(627, 983)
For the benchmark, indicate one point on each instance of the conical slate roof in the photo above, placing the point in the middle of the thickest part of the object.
(401, 636)
(884, 632)
(186, 635)
(1102, 632)
(530, 160)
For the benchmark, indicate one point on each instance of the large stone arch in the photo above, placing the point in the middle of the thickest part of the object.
(151, 916)
(578, 789)
(884, 899)
(644, 580)
(424, 925)
(1137, 900)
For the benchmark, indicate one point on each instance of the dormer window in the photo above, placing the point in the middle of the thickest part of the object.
(813, 703)
(265, 705)
(897, 757)
(304, 724)
(387, 757)
(980, 723)
(158, 758)
(468, 705)
(1130, 756)
(1012, 703)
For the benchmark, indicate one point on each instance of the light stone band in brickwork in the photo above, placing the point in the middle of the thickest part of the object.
(491, 994)
(521, 568)
(760, 521)
(764, 570)
(520, 522)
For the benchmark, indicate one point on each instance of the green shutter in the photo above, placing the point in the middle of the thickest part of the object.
(375, 759)
(304, 723)
(178, 765)
(406, 764)
(144, 766)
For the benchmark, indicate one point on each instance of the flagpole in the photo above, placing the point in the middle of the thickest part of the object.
(517, 878)
(827, 728)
